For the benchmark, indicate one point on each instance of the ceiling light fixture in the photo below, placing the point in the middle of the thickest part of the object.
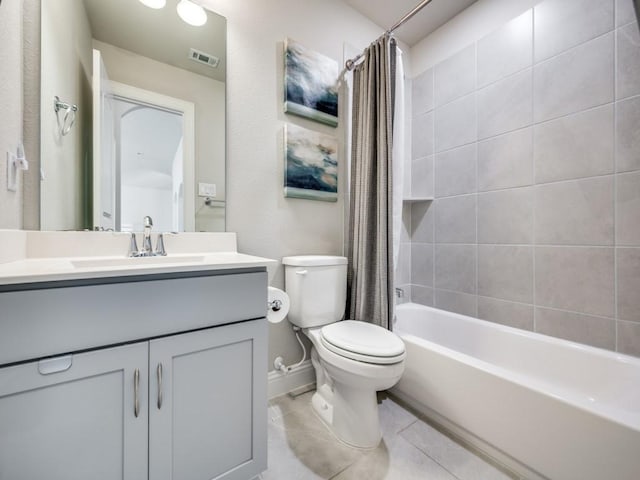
(154, 3)
(191, 13)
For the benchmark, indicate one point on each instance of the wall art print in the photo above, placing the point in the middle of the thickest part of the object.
(310, 84)
(311, 164)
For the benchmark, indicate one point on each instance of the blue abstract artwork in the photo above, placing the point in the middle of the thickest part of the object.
(310, 82)
(311, 164)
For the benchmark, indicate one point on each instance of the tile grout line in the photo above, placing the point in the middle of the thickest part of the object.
(533, 173)
(433, 191)
(426, 453)
(615, 178)
(477, 134)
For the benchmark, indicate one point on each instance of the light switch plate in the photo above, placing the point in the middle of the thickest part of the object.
(206, 189)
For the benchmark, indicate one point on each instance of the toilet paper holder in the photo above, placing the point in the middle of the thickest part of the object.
(275, 305)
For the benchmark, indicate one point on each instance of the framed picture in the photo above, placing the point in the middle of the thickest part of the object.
(310, 84)
(311, 164)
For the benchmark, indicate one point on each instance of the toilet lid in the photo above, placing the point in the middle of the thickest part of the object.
(363, 341)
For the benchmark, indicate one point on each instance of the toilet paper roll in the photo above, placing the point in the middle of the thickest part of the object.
(278, 306)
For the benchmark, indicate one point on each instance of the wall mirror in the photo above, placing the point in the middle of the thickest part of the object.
(132, 116)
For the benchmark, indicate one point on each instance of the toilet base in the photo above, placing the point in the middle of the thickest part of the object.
(351, 414)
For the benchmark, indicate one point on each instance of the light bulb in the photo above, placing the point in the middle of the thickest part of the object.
(191, 13)
(154, 3)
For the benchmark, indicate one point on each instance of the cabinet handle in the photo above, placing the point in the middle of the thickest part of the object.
(159, 386)
(136, 389)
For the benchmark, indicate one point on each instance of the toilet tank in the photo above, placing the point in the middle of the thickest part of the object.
(317, 289)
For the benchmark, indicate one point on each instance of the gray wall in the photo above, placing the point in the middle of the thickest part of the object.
(528, 141)
(11, 107)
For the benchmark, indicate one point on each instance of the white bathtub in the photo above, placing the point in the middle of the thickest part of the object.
(545, 407)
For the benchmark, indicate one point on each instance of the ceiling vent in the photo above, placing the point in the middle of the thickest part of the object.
(205, 58)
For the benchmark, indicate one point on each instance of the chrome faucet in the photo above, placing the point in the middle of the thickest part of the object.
(147, 249)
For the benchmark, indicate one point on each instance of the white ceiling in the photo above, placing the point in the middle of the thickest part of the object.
(387, 12)
(159, 34)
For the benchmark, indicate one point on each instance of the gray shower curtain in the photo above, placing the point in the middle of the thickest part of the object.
(370, 241)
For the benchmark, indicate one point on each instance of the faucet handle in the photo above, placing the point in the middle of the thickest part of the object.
(160, 246)
(133, 246)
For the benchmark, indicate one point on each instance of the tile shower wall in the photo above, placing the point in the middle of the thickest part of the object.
(529, 142)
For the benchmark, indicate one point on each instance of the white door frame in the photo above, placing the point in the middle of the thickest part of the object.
(139, 95)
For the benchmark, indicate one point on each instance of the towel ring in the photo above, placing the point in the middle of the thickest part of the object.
(69, 114)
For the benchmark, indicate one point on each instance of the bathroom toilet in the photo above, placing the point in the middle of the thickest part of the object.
(352, 359)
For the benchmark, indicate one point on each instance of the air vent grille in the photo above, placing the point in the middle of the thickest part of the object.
(204, 58)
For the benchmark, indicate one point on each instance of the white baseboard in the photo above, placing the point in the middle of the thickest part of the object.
(279, 383)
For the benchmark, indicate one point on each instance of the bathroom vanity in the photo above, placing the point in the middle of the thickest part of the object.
(113, 368)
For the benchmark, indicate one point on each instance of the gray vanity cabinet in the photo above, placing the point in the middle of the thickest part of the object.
(74, 418)
(172, 387)
(207, 401)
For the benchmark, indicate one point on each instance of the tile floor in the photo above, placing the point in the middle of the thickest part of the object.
(301, 448)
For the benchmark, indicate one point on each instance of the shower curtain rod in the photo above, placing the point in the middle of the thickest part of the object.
(351, 63)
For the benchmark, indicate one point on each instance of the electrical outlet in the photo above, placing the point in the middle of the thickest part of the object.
(206, 189)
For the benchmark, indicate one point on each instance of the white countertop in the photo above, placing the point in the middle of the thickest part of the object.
(38, 263)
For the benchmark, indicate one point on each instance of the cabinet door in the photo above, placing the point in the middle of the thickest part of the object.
(74, 417)
(207, 404)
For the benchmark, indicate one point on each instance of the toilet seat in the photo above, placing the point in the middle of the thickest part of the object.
(363, 342)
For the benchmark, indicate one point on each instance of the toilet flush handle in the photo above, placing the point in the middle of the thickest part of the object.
(301, 272)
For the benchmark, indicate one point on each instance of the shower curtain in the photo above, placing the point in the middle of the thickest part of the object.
(371, 214)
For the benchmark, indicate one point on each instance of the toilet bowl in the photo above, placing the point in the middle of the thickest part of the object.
(352, 359)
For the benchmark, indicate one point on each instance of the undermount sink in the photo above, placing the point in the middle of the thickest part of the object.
(135, 261)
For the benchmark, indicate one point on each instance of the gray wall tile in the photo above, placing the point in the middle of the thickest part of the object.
(456, 268)
(629, 338)
(403, 270)
(422, 220)
(422, 135)
(455, 76)
(405, 230)
(455, 171)
(578, 279)
(586, 168)
(511, 314)
(628, 209)
(506, 272)
(422, 295)
(624, 12)
(422, 177)
(422, 264)
(562, 24)
(628, 272)
(455, 123)
(422, 93)
(506, 216)
(575, 80)
(407, 175)
(628, 61)
(506, 161)
(628, 135)
(406, 298)
(456, 302)
(505, 106)
(596, 331)
(578, 212)
(576, 146)
(507, 50)
(455, 219)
